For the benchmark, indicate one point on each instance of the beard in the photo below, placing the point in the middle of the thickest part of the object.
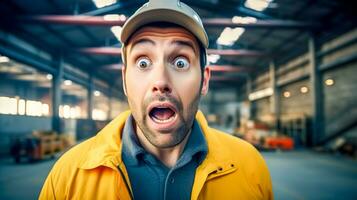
(178, 133)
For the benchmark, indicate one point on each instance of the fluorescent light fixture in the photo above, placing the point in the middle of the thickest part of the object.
(258, 5)
(116, 30)
(96, 93)
(49, 76)
(244, 20)
(260, 94)
(67, 82)
(213, 58)
(114, 17)
(4, 59)
(329, 82)
(103, 3)
(229, 36)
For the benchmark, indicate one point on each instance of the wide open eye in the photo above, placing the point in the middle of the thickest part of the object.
(181, 63)
(143, 63)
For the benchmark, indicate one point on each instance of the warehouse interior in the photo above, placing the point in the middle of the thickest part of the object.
(283, 74)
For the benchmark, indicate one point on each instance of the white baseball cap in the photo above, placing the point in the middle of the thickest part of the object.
(172, 11)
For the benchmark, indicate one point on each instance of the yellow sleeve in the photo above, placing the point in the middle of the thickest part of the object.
(265, 181)
(55, 184)
(48, 191)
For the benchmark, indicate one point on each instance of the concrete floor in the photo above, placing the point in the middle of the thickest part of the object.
(296, 175)
(301, 175)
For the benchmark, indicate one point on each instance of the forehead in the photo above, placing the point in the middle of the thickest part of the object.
(170, 33)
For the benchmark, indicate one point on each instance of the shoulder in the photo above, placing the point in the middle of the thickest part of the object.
(56, 184)
(71, 160)
(240, 151)
(76, 154)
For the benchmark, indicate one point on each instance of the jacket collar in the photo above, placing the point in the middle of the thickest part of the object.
(106, 147)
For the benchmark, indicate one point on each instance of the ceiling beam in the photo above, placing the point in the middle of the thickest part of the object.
(237, 52)
(268, 23)
(208, 22)
(223, 78)
(108, 51)
(229, 68)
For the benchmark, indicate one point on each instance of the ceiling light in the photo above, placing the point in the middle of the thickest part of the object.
(213, 58)
(49, 76)
(286, 94)
(96, 93)
(116, 30)
(103, 3)
(329, 82)
(258, 5)
(67, 82)
(4, 59)
(229, 36)
(244, 20)
(304, 89)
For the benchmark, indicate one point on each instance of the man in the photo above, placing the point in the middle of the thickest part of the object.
(162, 148)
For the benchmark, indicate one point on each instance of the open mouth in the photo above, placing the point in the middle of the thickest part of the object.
(162, 114)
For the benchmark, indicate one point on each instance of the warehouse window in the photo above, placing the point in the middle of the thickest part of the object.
(36, 108)
(98, 114)
(22, 107)
(8, 105)
(15, 106)
(68, 112)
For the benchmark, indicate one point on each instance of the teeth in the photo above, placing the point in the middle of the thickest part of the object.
(164, 120)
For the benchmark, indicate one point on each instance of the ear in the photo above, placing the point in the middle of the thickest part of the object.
(123, 78)
(206, 78)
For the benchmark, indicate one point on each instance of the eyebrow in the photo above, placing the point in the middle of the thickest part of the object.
(185, 43)
(141, 41)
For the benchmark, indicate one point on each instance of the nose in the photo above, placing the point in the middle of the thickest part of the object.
(161, 87)
(161, 80)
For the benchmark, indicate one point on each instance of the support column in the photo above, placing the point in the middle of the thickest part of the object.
(211, 103)
(90, 96)
(316, 93)
(249, 89)
(248, 86)
(274, 98)
(57, 95)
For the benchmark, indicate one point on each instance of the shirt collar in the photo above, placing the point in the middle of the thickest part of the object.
(133, 151)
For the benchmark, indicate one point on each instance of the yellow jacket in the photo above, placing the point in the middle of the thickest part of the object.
(232, 169)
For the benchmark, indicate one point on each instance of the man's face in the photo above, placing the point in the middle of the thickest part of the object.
(162, 80)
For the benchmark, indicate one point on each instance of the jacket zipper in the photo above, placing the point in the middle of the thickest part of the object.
(126, 183)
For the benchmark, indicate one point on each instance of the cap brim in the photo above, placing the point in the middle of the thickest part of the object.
(163, 15)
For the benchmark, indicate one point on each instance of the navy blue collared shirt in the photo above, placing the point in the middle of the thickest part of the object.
(150, 178)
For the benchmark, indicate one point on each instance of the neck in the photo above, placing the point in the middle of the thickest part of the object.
(168, 156)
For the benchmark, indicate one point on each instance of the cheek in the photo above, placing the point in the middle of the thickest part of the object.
(187, 86)
(135, 85)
